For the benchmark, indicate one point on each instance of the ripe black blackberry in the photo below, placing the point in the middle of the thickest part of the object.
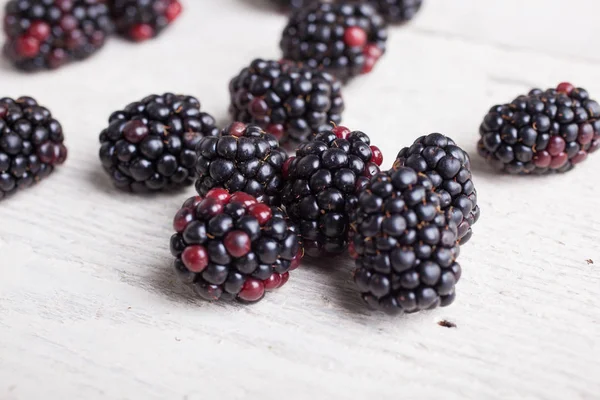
(140, 20)
(397, 11)
(322, 183)
(405, 247)
(46, 34)
(295, 4)
(233, 247)
(542, 132)
(449, 168)
(31, 144)
(243, 159)
(346, 39)
(150, 145)
(287, 100)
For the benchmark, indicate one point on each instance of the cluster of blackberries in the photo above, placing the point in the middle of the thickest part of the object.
(323, 44)
(408, 223)
(403, 226)
(46, 34)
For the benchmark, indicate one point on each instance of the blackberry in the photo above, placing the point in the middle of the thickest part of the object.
(287, 100)
(321, 186)
(346, 39)
(150, 145)
(294, 4)
(230, 246)
(542, 132)
(44, 34)
(397, 11)
(31, 144)
(244, 158)
(449, 168)
(140, 20)
(405, 247)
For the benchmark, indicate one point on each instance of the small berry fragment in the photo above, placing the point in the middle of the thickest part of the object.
(31, 144)
(140, 20)
(45, 34)
(397, 11)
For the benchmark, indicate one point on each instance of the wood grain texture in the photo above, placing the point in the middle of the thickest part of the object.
(89, 308)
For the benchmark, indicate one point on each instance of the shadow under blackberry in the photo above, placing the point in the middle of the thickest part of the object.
(336, 275)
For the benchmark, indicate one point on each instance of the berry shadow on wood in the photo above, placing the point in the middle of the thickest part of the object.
(264, 5)
(336, 274)
(162, 279)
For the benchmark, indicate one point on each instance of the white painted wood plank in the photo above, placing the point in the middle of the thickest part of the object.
(90, 310)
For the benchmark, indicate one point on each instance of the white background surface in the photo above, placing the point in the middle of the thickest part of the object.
(89, 308)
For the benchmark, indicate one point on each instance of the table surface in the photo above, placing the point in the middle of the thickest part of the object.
(89, 308)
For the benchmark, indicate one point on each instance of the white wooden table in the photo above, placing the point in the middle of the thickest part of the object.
(89, 308)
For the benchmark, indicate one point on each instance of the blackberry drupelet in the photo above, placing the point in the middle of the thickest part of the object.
(542, 132)
(405, 247)
(140, 20)
(244, 158)
(287, 100)
(150, 145)
(449, 168)
(322, 183)
(397, 11)
(230, 246)
(44, 34)
(31, 144)
(346, 39)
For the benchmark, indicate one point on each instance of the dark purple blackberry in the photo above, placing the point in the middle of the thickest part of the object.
(322, 183)
(449, 168)
(31, 144)
(397, 11)
(294, 4)
(140, 20)
(150, 145)
(243, 159)
(287, 100)
(46, 34)
(233, 247)
(404, 246)
(346, 39)
(542, 132)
